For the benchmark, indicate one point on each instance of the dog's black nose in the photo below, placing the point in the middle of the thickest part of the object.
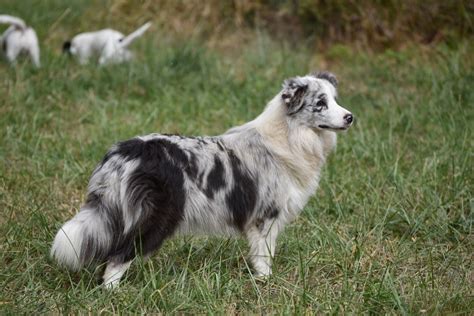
(348, 118)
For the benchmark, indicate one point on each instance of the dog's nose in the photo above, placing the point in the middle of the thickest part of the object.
(348, 118)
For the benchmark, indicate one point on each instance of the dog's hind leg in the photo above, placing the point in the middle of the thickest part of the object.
(144, 244)
(35, 55)
(12, 52)
(262, 239)
(33, 47)
(120, 261)
(114, 272)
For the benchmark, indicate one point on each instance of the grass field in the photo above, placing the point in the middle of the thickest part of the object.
(390, 229)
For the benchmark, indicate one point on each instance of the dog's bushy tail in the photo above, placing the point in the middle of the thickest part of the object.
(85, 238)
(127, 40)
(12, 20)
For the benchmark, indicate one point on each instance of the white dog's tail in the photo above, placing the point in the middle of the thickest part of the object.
(83, 239)
(127, 40)
(8, 19)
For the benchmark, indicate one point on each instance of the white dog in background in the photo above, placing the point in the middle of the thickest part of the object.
(109, 45)
(19, 38)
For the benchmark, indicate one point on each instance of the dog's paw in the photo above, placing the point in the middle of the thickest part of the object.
(111, 285)
(262, 276)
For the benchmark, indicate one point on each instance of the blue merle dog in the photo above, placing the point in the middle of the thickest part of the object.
(254, 179)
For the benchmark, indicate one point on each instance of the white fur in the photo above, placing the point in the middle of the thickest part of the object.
(19, 38)
(110, 46)
(114, 272)
(68, 243)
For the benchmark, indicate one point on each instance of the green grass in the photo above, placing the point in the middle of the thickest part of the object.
(390, 229)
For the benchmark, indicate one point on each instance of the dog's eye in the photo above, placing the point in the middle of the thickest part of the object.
(321, 105)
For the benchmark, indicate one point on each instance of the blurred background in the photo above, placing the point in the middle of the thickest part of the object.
(367, 24)
(375, 25)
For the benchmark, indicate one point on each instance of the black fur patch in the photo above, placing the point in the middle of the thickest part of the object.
(132, 149)
(67, 47)
(241, 200)
(156, 189)
(4, 46)
(129, 150)
(270, 212)
(215, 179)
(326, 76)
(293, 93)
(192, 166)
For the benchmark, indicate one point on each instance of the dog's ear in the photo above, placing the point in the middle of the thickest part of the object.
(293, 92)
(67, 47)
(326, 76)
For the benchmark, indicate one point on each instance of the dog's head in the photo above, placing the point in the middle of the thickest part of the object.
(311, 101)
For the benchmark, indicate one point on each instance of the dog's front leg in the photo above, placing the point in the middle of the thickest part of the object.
(262, 239)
